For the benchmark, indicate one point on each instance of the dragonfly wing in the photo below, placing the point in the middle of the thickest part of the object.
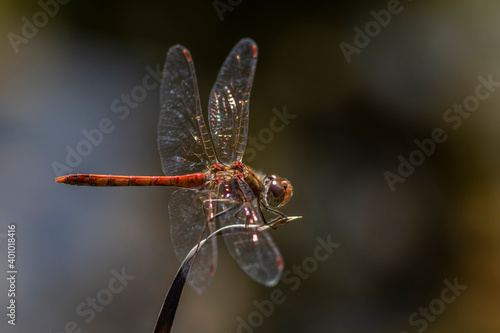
(229, 102)
(255, 251)
(189, 223)
(183, 140)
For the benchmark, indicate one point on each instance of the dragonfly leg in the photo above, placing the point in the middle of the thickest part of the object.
(277, 212)
(280, 219)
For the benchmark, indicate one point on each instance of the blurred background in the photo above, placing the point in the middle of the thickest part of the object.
(359, 99)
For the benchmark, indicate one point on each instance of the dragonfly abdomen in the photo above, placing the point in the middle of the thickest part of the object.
(191, 180)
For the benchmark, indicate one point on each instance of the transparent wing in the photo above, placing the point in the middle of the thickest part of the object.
(190, 213)
(255, 251)
(229, 102)
(183, 140)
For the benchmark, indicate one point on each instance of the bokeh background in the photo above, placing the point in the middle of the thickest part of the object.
(353, 120)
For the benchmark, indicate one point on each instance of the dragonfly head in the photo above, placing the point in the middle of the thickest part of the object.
(277, 191)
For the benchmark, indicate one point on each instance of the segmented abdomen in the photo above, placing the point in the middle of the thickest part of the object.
(192, 180)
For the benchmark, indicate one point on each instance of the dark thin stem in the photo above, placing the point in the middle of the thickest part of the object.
(169, 307)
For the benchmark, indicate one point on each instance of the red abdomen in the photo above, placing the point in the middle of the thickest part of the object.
(192, 180)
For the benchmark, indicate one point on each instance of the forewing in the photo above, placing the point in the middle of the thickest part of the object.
(255, 251)
(229, 102)
(190, 222)
(183, 140)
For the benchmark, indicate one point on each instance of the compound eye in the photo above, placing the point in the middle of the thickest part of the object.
(276, 189)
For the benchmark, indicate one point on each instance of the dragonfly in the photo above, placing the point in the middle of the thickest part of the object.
(215, 188)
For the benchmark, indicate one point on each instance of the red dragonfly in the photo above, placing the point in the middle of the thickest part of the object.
(216, 188)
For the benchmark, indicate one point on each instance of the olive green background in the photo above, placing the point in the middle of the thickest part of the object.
(352, 122)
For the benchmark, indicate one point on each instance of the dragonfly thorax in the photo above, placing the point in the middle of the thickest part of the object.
(272, 190)
(238, 169)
